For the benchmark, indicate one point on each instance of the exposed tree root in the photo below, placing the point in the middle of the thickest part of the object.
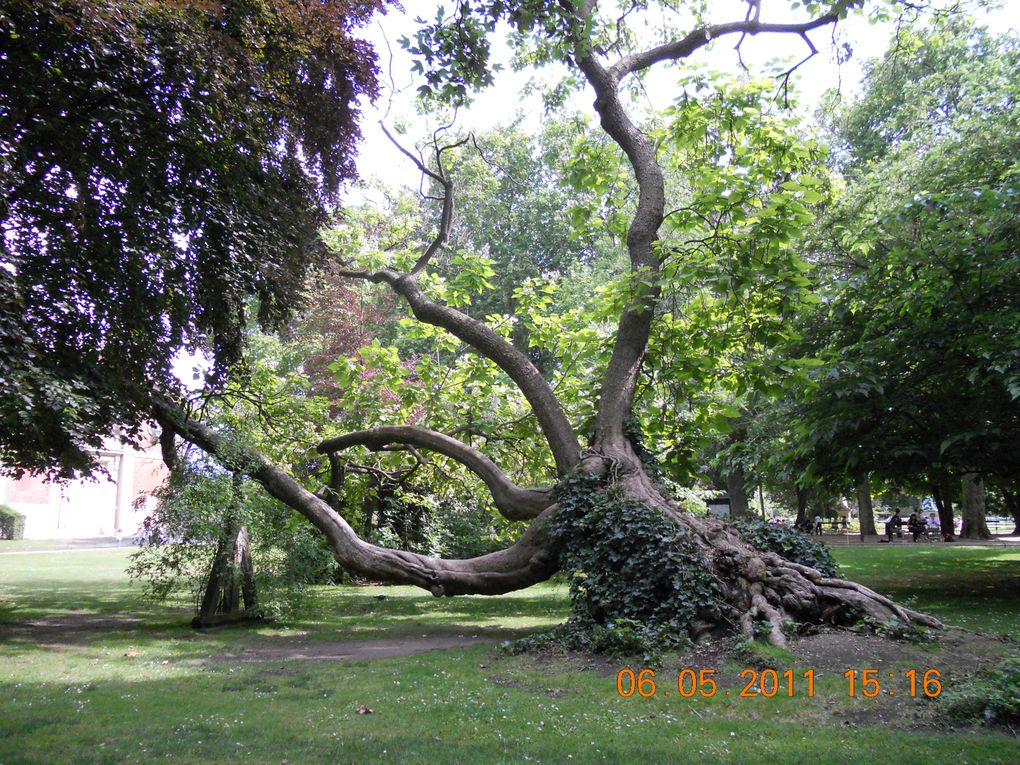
(763, 594)
(764, 588)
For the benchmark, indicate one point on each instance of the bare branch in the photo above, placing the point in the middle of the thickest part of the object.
(752, 25)
(446, 217)
(784, 85)
(511, 500)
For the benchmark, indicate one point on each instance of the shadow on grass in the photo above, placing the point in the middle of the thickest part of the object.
(334, 622)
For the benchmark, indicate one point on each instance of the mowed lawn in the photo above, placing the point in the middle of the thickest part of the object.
(973, 587)
(88, 674)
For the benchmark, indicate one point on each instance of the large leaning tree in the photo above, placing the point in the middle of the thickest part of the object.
(692, 575)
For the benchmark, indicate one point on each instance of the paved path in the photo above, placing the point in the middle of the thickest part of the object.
(67, 550)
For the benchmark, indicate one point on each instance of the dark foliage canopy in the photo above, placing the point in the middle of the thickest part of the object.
(161, 163)
(922, 261)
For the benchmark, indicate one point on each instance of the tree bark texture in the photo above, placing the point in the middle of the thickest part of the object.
(230, 593)
(737, 490)
(865, 510)
(1012, 502)
(973, 508)
(942, 493)
(803, 494)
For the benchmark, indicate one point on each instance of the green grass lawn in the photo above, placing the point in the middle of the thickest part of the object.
(973, 587)
(130, 682)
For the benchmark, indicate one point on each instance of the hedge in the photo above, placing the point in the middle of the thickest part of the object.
(12, 524)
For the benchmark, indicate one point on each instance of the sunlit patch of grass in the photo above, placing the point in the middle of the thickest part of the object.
(973, 587)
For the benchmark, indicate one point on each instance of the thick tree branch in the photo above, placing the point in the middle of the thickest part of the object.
(636, 319)
(530, 560)
(513, 502)
(551, 418)
(620, 382)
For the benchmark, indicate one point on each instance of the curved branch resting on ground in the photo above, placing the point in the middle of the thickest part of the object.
(530, 560)
(513, 502)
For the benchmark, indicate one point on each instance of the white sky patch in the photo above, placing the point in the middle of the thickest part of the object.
(191, 368)
(764, 55)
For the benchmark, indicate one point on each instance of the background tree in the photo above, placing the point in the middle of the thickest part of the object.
(921, 373)
(162, 162)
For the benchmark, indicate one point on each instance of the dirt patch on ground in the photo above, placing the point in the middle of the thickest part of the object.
(76, 631)
(955, 655)
(270, 648)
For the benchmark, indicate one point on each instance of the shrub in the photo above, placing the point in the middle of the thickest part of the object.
(991, 697)
(195, 508)
(12, 523)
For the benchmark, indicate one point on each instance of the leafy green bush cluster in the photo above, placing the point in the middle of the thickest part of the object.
(638, 581)
(991, 697)
(12, 523)
(423, 523)
(195, 508)
(788, 542)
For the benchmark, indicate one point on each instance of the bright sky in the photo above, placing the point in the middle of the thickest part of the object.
(378, 159)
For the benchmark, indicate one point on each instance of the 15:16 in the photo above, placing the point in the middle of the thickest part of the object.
(930, 682)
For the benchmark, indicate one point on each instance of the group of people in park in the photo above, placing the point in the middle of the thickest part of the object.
(917, 526)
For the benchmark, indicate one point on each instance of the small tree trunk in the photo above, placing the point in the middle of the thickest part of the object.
(802, 500)
(246, 569)
(219, 575)
(232, 576)
(737, 490)
(941, 492)
(973, 508)
(231, 579)
(1012, 501)
(865, 511)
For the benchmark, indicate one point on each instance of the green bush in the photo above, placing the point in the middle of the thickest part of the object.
(12, 523)
(412, 520)
(195, 507)
(991, 697)
(788, 542)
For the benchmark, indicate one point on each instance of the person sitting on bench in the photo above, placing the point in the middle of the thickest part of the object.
(916, 525)
(893, 524)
